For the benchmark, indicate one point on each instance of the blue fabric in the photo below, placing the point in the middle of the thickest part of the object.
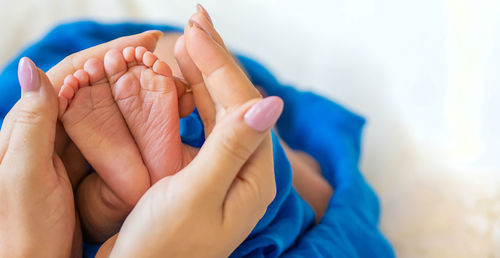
(309, 123)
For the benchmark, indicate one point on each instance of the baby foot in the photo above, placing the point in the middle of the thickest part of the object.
(106, 109)
(138, 89)
(93, 121)
(147, 96)
(95, 124)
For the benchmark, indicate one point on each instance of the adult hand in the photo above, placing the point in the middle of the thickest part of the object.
(208, 208)
(37, 214)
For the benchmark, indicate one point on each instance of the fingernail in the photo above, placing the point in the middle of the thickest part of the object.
(28, 75)
(192, 24)
(202, 9)
(157, 33)
(264, 114)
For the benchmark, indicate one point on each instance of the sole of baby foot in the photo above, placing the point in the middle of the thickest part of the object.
(93, 121)
(146, 94)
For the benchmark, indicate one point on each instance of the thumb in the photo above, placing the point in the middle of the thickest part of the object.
(32, 121)
(233, 141)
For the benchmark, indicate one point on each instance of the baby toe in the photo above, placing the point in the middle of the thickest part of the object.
(129, 56)
(95, 70)
(82, 77)
(139, 53)
(162, 68)
(114, 65)
(67, 92)
(149, 59)
(72, 81)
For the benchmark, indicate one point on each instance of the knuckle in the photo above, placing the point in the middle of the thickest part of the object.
(265, 180)
(266, 195)
(262, 194)
(223, 69)
(232, 144)
(70, 60)
(30, 116)
(255, 188)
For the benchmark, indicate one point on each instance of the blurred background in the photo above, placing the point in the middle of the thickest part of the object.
(425, 74)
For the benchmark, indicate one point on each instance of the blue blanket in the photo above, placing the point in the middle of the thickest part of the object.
(322, 128)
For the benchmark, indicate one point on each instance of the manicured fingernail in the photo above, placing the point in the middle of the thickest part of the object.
(202, 9)
(192, 24)
(264, 114)
(28, 75)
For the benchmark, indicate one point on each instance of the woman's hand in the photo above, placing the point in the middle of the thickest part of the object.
(209, 208)
(37, 214)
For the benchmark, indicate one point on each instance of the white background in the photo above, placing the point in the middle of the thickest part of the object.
(424, 73)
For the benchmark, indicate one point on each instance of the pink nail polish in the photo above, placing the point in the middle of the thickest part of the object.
(264, 114)
(28, 75)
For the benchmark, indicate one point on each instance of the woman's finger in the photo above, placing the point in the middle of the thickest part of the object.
(184, 97)
(232, 142)
(33, 121)
(202, 98)
(202, 18)
(227, 83)
(75, 61)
